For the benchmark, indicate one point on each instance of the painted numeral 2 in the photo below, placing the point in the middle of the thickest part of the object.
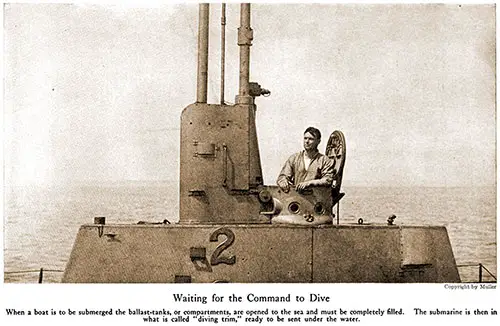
(216, 258)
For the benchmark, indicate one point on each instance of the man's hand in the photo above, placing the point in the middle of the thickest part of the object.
(303, 185)
(284, 185)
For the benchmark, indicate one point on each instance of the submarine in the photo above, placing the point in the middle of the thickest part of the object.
(234, 229)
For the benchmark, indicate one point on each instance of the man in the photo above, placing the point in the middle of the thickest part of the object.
(307, 168)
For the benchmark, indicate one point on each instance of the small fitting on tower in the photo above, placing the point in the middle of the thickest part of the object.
(257, 90)
(245, 35)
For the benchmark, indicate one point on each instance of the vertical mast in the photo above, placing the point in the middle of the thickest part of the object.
(223, 52)
(201, 89)
(245, 36)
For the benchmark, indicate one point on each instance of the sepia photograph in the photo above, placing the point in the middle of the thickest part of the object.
(249, 143)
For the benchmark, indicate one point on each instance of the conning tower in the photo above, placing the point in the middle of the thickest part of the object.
(220, 169)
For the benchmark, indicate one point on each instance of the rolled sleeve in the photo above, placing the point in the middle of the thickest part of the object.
(287, 172)
(327, 170)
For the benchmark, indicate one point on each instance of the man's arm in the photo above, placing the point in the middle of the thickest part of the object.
(327, 172)
(285, 177)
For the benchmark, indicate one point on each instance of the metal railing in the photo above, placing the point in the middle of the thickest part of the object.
(39, 271)
(481, 268)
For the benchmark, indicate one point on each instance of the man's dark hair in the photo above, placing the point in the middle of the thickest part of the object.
(313, 131)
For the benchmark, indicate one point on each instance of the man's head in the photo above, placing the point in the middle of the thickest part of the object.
(312, 137)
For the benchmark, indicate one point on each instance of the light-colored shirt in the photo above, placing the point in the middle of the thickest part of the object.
(307, 161)
(295, 172)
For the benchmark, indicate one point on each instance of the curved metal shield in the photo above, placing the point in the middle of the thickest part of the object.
(336, 151)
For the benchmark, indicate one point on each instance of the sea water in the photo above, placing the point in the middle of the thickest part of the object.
(41, 224)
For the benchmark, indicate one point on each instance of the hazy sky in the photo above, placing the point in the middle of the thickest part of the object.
(95, 92)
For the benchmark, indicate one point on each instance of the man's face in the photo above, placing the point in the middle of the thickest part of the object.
(310, 142)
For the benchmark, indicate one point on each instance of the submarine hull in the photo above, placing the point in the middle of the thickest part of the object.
(261, 253)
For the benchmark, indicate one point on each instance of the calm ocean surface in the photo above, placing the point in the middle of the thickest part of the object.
(41, 224)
